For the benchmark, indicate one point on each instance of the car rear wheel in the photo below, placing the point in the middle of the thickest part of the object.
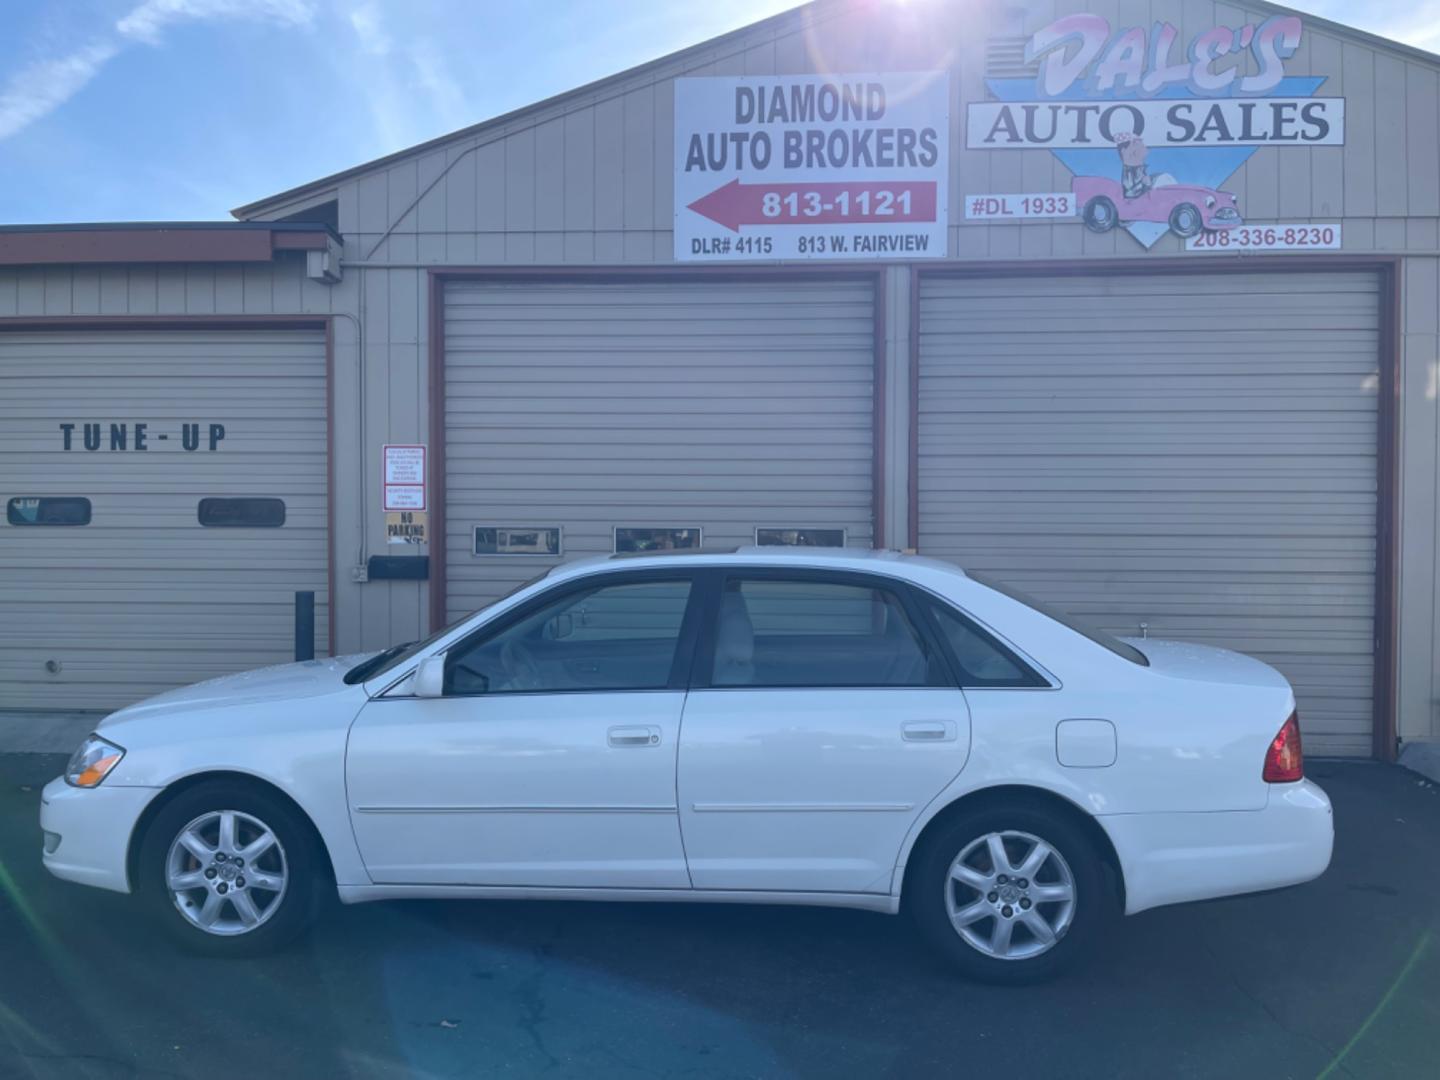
(1100, 214)
(230, 870)
(1010, 895)
(1185, 220)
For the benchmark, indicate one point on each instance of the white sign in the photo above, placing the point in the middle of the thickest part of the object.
(404, 477)
(1269, 238)
(1056, 204)
(1089, 125)
(812, 167)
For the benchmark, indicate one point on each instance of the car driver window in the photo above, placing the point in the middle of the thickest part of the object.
(613, 637)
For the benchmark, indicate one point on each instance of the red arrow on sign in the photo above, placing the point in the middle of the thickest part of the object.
(735, 204)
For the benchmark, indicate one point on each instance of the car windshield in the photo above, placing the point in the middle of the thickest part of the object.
(1100, 637)
(396, 655)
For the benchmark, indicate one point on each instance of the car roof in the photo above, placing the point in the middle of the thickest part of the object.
(889, 561)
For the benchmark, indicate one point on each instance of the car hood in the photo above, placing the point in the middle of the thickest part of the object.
(282, 682)
(1205, 663)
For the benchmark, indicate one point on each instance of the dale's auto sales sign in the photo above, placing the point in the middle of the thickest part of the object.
(811, 167)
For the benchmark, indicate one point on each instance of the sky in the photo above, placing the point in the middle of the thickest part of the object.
(140, 110)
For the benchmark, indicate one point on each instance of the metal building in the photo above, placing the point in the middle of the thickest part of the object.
(1134, 306)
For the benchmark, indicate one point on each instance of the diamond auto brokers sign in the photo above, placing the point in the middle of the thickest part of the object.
(811, 167)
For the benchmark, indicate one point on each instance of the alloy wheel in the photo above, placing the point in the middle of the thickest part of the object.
(1010, 895)
(227, 872)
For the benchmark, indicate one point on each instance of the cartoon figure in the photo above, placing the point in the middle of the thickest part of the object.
(1134, 175)
(1186, 208)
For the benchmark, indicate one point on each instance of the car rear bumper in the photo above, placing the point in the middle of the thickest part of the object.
(87, 831)
(1174, 858)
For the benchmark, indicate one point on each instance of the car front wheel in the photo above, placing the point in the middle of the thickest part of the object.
(230, 870)
(1010, 895)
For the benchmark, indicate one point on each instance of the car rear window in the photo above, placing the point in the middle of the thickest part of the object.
(1099, 637)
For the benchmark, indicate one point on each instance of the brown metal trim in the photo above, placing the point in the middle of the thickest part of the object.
(157, 244)
(163, 322)
(331, 539)
(912, 471)
(1387, 517)
(439, 542)
(878, 520)
(1387, 503)
(299, 241)
(438, 277)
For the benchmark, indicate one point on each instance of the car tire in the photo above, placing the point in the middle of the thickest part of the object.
(248, 918)
(944, 906)
(1100, 215)
(1186, 221)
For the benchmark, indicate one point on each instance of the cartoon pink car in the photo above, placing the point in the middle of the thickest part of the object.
(1186, 208)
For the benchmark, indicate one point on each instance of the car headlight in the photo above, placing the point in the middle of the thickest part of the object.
(92, 762)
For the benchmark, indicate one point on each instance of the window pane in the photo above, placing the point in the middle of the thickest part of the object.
(815, 633)
(616, 637)
(983, 661)
(630, 541)
(48, 510)
(517, 540)
(800, 537)
(242, 513)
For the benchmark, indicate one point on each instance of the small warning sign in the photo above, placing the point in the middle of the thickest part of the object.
(406, 527)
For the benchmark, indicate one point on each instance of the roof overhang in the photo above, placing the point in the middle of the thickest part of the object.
(160, 242)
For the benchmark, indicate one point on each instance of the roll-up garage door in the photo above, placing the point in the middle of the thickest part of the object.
(1190, 456)
(165, 499)
(707, 405)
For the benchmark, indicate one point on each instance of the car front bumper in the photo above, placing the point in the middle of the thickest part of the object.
(88, 830)
(1175, 858)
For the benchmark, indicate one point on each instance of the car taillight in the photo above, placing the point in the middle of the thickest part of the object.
(1284, 763)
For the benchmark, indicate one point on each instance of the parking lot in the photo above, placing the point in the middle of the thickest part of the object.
(1340, 978)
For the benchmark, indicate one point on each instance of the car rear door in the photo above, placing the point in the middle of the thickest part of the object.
(820, 722)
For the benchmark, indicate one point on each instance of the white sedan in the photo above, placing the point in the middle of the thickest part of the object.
(799, 726)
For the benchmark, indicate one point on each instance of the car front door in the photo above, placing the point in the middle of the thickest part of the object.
(821, 722)
(550, 759)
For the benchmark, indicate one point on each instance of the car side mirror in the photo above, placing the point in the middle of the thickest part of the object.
(429, 680)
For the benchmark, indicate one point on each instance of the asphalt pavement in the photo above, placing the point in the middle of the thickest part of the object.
(1337, 978)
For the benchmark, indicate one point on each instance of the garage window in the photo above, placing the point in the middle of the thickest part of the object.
(517, 540)
(217, 513)
(48, 510)
(632, 541)
(799, 537)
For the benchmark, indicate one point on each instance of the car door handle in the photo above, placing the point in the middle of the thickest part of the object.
(638, 735)
(928, 731)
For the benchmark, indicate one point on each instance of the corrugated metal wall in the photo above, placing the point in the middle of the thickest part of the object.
(586, 180)
(1192, 452)
(717, 405)
(144, 598)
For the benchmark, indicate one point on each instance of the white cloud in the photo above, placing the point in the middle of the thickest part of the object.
(145, 21)
(366, 22)
(45, 85)
(42, 86)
